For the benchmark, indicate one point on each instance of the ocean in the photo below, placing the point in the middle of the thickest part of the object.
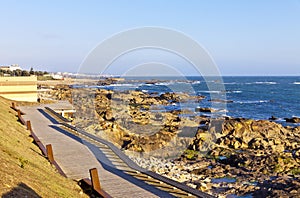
(256, 98)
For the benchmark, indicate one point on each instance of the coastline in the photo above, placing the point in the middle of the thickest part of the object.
(238, 151)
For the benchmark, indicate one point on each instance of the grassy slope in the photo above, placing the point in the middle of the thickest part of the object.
(23, 169)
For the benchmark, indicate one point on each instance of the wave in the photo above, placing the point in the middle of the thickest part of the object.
(123, 85)
(181, 82)
(149, 85)
(237, 91)
(263, 83)
(296, 83)
(196, 82)
(295, 116)
(210, 91)
(231, 83)
(217, 92)
(164, 83)
(222, 110)
(252, 101)
(280, 120)
(222, 91)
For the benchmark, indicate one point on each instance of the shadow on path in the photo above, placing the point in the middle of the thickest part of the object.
(44, 113)
(107, 165)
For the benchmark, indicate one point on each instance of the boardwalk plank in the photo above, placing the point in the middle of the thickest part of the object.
(75, 159)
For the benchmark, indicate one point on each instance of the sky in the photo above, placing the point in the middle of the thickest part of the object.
(249, 37)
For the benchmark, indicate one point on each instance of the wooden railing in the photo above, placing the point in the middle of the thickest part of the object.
(58, 115)
(134, 166)
(47, 151)
(94, 182)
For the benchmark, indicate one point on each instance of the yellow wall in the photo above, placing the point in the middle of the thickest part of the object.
(23, 88)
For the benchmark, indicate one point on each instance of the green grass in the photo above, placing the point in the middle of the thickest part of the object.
(295, 171)
(44, 78)
(190, 154)
(24, 170)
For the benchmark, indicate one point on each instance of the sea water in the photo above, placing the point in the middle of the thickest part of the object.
(252, 97)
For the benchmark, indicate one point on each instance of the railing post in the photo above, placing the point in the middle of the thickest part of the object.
(95, 179)
(28, 123)
(13, 105)
(50, 153)
(19, 113)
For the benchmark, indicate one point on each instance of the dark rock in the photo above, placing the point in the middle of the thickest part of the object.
(273, 118)
(221, 101)
(205, 109)
(292, 120)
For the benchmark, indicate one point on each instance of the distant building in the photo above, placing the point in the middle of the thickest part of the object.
(21, 88)
(57, 76)
(12, 67)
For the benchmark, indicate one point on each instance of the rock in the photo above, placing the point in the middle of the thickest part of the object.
(252, 151)
(273, 118)
(191, 185)
(109, 115)
(294, 192)
(61, 92)
(236, 145)
(292, 120)
(170, 97)
(109, 81)
(221, 101)
(258, 143)
(205, 109)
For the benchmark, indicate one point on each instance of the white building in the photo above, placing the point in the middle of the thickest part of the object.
(12, 67)
(57, 76)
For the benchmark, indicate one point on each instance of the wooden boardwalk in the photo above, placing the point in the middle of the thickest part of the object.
(75, 158)
(76, 152)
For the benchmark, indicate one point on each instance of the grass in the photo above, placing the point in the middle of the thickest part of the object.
(24, 171)
(190, 154)
(44, 78)
(295, 171)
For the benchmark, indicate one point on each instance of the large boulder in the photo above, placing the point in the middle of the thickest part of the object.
(252, 134)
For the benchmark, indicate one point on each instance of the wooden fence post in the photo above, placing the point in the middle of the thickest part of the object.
(19, 113)
(28, 123)
(95, 179)
(50, 153)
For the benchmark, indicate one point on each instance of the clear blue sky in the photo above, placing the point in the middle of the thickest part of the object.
(251, 37)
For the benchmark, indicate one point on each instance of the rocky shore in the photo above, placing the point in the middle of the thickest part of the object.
(259, 158)
(224, 157)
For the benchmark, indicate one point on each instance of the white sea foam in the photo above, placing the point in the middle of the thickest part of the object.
(118, 86)
(223, 110)
(236, 91)
(251, 101)
(182, 82)
(196, 82)
(123, 85)
(163, 83)
(296, 83)
(209, 91)
(231, 83)
(281, 119)
(295, 116)
(267, 83)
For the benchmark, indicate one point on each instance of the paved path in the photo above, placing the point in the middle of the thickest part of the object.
(75, 158)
